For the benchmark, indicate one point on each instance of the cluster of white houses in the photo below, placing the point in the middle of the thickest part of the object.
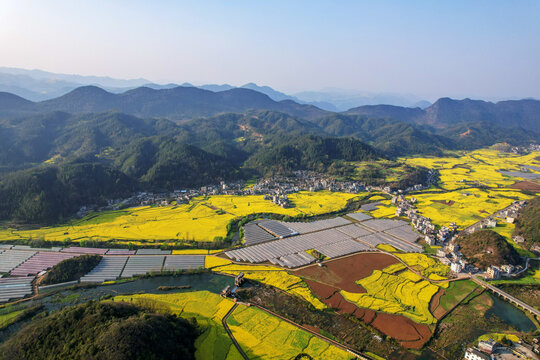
(423, 224)
(509, 213)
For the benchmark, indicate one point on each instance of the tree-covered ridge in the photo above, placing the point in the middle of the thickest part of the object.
(103, 331)
(528, 222)
(309, 152)
(70, 269)
(485, 247)
(47, 194)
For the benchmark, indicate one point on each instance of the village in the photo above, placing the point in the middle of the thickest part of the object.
(274, 189)
(503, 350)
(445, 237)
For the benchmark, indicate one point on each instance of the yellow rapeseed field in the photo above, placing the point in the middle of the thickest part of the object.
(264, 336)
(269, 275)
(476, 167)
(385, 210)
(424, 264)
(404, 293)
(208, 308)
(465, 207)
(258, 333)
(201, 220)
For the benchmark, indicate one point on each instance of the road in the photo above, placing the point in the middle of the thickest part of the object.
(229, 332)
(507, 296)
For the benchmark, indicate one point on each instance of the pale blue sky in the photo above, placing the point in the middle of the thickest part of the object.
(482, 49)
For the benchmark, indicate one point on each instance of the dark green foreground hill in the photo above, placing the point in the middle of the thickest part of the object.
(103, 331)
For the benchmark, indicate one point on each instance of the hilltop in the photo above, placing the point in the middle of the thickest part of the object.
(103, 331)
(485, 247)
(449, 112)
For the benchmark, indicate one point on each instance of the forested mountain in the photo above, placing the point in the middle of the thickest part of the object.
(91, 145)
(187, 102)
(523, 114)
(46, 194)
(178, 103)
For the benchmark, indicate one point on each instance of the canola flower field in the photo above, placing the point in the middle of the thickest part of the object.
(427, 266)
(207, 308)
(480, 167)
(395, 291)
(264, 336)
(465, 207)
(261, 335)
(203, 219)
(269, 275)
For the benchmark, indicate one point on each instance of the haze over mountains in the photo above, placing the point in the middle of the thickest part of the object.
(38, 85)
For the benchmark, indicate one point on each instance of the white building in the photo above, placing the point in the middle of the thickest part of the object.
(456, 267)
(474, 354)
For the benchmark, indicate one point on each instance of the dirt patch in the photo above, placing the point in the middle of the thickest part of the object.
(408, 333)
(312, 328)
(526, 185)
(435, 307)
(342, 273)
(326, 282)
(445, 202)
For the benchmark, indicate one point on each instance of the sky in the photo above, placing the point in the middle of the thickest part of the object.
(478, 49)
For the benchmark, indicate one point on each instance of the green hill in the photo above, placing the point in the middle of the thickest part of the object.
(485, 247)
(102, 331)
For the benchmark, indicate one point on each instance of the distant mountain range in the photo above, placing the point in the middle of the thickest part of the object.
(177, 103)
(181, 103)
(38, 85)
(448, 112)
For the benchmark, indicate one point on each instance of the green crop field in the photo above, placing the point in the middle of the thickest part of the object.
(456, 291)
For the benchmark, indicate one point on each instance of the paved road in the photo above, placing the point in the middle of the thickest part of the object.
(507, 296)
(236, 344)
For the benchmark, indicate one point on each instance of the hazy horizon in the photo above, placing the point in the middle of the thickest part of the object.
(483, 50)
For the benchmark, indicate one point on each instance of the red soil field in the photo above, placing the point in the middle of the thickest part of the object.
(343, 273)
(434, 305)
(526, 185)
(326, 282)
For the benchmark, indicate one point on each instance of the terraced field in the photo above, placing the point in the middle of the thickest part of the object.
(428, 267)
(465, 207)
(378, 290)
(269, 275)
(203, 219)
(480, 167)
(261, 336)
(404, 293)
(267, 337)
(207, 308)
